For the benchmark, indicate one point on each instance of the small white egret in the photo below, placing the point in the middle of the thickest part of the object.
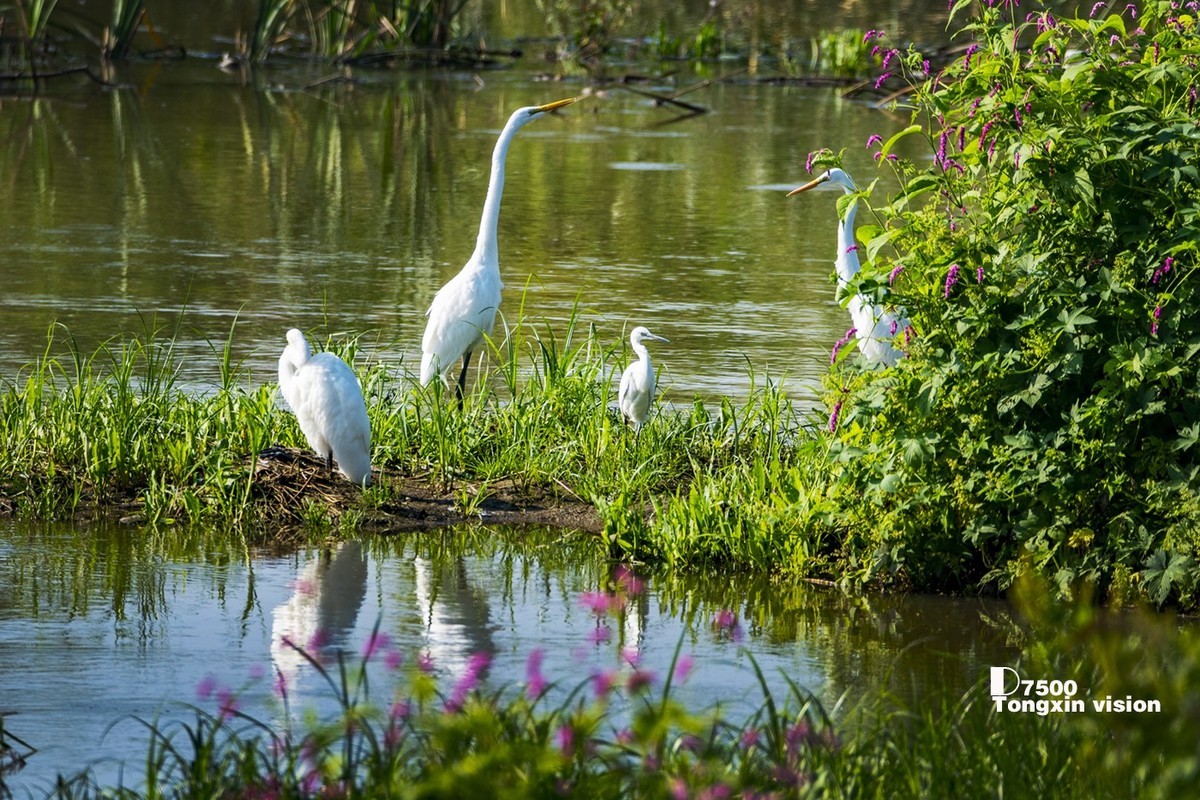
(328, 403)
(464, 310)
(874, 325)
(637, 382)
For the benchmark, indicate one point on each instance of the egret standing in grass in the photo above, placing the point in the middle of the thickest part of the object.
(874, 325)
(328, 403)
(637, 382)
(464, 310)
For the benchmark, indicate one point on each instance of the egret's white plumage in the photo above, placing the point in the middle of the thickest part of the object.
(328, 403)
(637, 382)
(464, 310)
(875, 326)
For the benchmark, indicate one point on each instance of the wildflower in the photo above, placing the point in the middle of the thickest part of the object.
(870, 35)
(599, 603)
(1113, 40)
(375, 642)
(925, 66)
(535, 682)
(1163, 270)
(1157, 317)
(566, 739)
(425, 663)
(840, 343)
(639, 679)
(893, 327)
(476, 665)
(833, 417)
(1096, 8)
(972, 50)
(749, 738)
(873, 140)
(631, 656)
(399, 710)
(940, 158)
(1017, 160)
(205, 687)
(882, 79)
(318, 641)
(951, 279)
(808, 164)
(227, 703)
(718, 792)
(603, 682)
(678, 789)
(895, 273)
(683, 667)
(393, 659)
(888, 56)
(1132, 9)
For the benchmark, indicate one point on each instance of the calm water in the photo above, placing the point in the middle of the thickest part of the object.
(189, 200)
(103, 623)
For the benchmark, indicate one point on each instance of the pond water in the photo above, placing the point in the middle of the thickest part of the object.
(189, 199)
(101, 624)
(215, 205)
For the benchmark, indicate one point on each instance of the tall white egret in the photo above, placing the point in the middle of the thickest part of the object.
(328, 403)
(637, 382)
(874, 325)
(464, 310)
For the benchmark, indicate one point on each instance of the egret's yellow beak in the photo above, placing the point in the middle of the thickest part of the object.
(814, 182)
(556, 104)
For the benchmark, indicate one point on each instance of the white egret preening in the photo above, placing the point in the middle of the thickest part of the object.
(874, 325)
(328, 403)
(464, 310)
(637, 382)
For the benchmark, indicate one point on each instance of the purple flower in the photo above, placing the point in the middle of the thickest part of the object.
(873, 140)
(566, 739)
(808, 164)
(535, 682)
(318, 641)
(749, 738)
(677, 789)
(869, 35)
(375, 642)
(1163, 270)
(206, 686)
(425, 663)
(1096, 8)
(227, 703)
(683, 667)
(602, 683)
(399, 710)
(979, 275)
(1132, 9)
(1157, 317)
(599, 603)
(476, 665)
(833, 417)
(393, 659)
(840, 343)
(893, 327)
(882, 79)
(940, 158)
(895, 273)
(639, 679)
(951, 279)
(925, 66)
(971, 50)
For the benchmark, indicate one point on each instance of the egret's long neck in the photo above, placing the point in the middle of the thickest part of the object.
(486, 248)
(642, 353)
(847, 255)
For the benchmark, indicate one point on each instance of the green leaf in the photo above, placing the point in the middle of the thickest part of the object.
(887, 147)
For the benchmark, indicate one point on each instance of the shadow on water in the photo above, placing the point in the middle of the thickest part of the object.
(105, 623)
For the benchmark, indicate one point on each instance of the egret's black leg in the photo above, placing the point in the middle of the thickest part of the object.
(462, 379)
(329, 462)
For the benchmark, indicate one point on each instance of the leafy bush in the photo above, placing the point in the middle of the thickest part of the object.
(1049, 402)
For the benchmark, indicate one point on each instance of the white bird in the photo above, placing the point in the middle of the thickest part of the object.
(328, 403)
(464, 310)
(874, 325)
(637, 382)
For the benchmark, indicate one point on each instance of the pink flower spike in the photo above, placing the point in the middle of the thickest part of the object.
(599, 635)
(393, 659)
(627, 580)
(639, 679)
(566, 739)
(1096, 8)
(683, 667)
(873, 140)
(951, 279)
(599, 603)
(602, 683)
(375, 642)
(833, 419)
(535, 682)
(808, 164)
(425, 663)
(206, 686)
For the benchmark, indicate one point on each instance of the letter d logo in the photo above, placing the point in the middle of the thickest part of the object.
(997, 674)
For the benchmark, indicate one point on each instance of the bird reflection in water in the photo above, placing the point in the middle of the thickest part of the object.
(455, 616)
(326, 598)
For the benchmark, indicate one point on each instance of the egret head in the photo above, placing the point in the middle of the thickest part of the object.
(641, 334)
(836, 176)
(297, 350)
(523, 115)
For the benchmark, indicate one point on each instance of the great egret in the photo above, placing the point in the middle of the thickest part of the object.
(637, 382)
(328, 403)
(874, 325)
(464, 310)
